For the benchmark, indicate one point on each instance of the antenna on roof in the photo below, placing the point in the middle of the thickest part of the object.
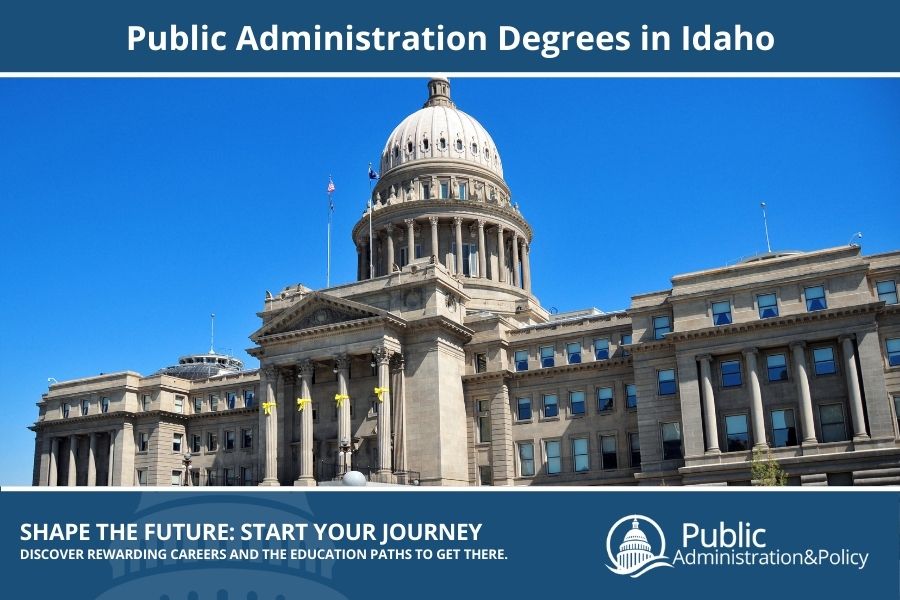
(212, 333)
(762, 205)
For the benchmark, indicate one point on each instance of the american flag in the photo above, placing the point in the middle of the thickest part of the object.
(330, 187)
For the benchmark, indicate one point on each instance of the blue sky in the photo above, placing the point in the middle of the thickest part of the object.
(132, 209)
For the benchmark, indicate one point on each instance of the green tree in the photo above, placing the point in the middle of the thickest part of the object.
(765, 470)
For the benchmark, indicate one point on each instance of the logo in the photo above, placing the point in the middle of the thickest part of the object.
(635, 556)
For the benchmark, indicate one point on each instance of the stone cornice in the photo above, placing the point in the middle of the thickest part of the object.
(330, 328)
(592, 365)
(118, 416)
(441, 322)
(487, 376)
(787, 320)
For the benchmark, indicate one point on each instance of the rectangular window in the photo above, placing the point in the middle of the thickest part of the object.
(231, 400)
(665, 382)
(671, 435)
(179, 404)
(444, 189)
(737, 437)
(480, 362)
(576, 403)
(784, 432)
(767, 305)
(573, 353)
(463, 191)
(246, 438)
(893, 351)
(832, 418)
(721, 313)
(229, 440)
(176, 477)
(554, 462)
(143, 441)
(731, 373)
(246, 476)
(484, 421)
(635, 445)
(897, 409)
(547, 353)
(212, 442)
(85, 407)
(198, 405)
(601, 349)
(315, 409)
(824, 359)
(580, 455)
(248, 398)
(523, 409)
(776, 365)
(195, 477)
(815, 298)
(426, 191)
(195, 443)
(608, 452)
(142, 476)
(104, 404)
(551, 406)
(230, 479)
(521, 360)
(626, 341)
(630, 395)
(145, 402)
(211, 477)
(661, 326)
(604, 399)
(213, 402)
(66, 408)
(887, 291)
(176, 442)
(526, 459)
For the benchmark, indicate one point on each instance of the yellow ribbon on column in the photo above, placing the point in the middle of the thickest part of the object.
(267, 407)
(303, 403)
(338, 398)
(379, 391)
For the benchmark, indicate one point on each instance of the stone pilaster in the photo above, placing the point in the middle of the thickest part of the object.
(482, 250)
(877, 401)
(801, 376)
(345, 435)
(54, 462)
(411, 240)
(503, 464)
(709, 405)
(92, 460)
(526, 265)
(389, 240)
(435, 245)
(111, 456)
(517, 277)
(268, 411)
(72, 476)
(306, 478)
(398, 397)
(457, 223)
(385, 458)
(756, 405)
(851, 374)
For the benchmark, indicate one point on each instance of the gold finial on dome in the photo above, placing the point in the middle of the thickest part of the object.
(439, 93)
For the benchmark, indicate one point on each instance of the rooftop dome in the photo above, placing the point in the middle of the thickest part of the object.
(440, 131)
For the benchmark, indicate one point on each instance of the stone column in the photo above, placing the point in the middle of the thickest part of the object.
(709, 405)
(389, 234)
(385, 460)
(434, 238)
(344, 422)
(457, 222)
(756, 405)
(54, 462)
(359, 260)
(268, 411)
(124, 474)
(798, 355)
(398, 397)
(112, 455)
(502, 449)
(92, 458)
(482, 251)
(73, 462)
(526, 265)
(307, 477)
(515, 250)
(853, 390)
(501, 255)
(411, 242)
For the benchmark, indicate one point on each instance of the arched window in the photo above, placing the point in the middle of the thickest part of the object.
(459, 145)
(443, 143)
(409, 147)
(425, 144)
(474, 148)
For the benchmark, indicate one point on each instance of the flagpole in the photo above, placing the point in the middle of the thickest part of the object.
(371, 210)
(330, 190)
(762, 205)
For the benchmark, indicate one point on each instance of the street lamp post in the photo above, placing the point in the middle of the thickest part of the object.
(345, 449)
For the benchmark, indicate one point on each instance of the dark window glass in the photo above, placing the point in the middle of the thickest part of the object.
(893, 351)
(661, 326)
(576, 403)
(634, 442)
(731, 373)
(666, 382)
(671, 435)
(547, 356)
(815, 298)
(604, 399)
(554, 462)
(551, 406)
(526, 460)
(824, 360)
(721, 312)
(736, 433)
(768, 306)
(608, 452)
(784, 432)
(887, 291)
(521, 360)
(831, 417)
(601, 349)
(776, 365)
(581, 461)
(573, 352)
(524, 409)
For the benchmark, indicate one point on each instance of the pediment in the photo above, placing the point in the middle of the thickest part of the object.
(318, 310)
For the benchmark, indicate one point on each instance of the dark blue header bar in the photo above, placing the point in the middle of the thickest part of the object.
(463, 36)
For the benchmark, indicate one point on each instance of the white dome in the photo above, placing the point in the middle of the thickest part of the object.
(440, 131)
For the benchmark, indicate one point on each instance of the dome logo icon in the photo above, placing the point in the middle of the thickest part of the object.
(635, 556)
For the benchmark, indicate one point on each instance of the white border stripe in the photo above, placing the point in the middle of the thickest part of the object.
(471, 489)
(426, 74)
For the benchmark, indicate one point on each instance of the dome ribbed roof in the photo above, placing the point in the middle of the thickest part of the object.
(440, 131)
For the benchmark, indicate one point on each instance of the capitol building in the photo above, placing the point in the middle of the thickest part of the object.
(439, 366)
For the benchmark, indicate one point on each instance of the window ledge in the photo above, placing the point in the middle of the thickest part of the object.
(523, 422)
(547, 419)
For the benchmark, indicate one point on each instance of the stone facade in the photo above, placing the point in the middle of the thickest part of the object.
(439, 366)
